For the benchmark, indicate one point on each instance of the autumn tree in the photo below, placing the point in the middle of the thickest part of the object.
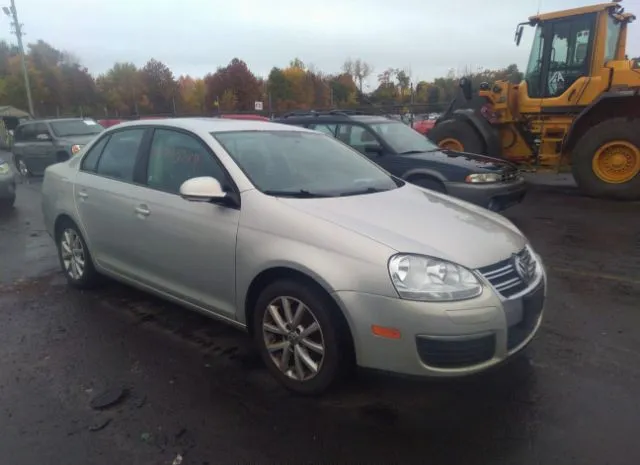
(160, 86)
(358, 69)
(236, 78)
(123, 90)
(192, 95)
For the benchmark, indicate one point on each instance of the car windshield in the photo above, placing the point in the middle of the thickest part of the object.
(403, 139)
(303, 164)
(81, 127)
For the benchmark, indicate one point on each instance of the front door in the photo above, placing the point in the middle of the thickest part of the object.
(41, 148)
(189, 247)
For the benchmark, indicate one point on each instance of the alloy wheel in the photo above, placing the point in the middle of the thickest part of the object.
(293, 338)
(22, 168)
(72, 254)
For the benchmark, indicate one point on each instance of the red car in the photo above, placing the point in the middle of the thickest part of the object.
(424, 126)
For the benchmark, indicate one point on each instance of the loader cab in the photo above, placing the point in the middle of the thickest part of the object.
(570, 45)
(560, 54)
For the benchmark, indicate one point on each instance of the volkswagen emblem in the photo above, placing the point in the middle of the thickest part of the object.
(521, 269)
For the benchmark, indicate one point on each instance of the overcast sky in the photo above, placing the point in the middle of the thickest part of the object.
(195, 36)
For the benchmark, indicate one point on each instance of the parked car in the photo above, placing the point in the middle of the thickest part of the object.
(322, 256)
(7, 184)
(424, 125)
(485, 181)
(40, 143)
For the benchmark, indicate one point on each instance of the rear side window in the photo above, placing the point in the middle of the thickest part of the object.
(90, 161)
(24, 133)
(329, 129)
(119, 155)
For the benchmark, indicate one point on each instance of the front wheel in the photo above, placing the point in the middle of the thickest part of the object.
(606, 160)
(458, 136)
(429, 183)
(299, 337)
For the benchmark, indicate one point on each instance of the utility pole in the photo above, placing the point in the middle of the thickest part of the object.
(12, 13)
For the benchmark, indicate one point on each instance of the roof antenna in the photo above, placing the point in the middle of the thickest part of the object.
(539, 6)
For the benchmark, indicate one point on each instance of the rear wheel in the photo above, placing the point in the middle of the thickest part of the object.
(300, 337)
(22, 167)
(458, 136)
(606, 160)
(74, 256)
(7, 204)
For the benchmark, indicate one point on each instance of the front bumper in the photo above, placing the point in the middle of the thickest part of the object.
(7, 186)
(443, 339)
(493, 196)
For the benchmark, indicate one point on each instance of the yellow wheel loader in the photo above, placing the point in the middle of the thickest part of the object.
(578, 105)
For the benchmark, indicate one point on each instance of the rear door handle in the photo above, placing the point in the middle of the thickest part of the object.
(142, 210)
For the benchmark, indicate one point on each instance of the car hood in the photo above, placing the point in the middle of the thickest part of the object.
(78, 140)
(471, 161)
(415, 220)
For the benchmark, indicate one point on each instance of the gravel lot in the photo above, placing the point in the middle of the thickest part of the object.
(194, 388)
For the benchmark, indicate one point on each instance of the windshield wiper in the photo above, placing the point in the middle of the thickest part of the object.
(368, 190)
(299, 194)
(410, 152)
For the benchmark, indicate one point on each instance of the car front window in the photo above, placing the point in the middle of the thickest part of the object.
(402, 139)
(303, 164)
(75, 128)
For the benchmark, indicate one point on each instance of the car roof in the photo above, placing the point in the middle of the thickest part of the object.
(53, 120)
(334, 117)
(208, 125)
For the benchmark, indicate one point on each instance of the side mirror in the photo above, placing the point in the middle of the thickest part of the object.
(465, 85)
(43, 136)
(202, 189)
(373, 149)
(518, 37)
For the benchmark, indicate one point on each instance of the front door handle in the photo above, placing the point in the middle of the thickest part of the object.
(83, 195)
(143, 210)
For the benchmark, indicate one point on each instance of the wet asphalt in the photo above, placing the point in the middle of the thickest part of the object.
(193, 391)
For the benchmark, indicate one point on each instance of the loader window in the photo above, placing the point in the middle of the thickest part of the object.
(568, 53)
(613, 35)
(534, 67)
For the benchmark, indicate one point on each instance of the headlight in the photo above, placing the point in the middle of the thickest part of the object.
(4, 168)
(483, 177)
(75, 149)
(417, 277)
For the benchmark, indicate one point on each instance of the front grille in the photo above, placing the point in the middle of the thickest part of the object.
(458, 353)
(509, 176)
(505, 278)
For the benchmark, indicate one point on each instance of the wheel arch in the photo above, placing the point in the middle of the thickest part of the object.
(60, 220)
(424, 172)
(483, 128)
(608, 105)
(278, 272)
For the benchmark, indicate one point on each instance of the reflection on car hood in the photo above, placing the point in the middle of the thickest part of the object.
(412, 219)
(472, 161)
(79, 140)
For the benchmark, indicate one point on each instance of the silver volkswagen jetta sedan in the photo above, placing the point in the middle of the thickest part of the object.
(323, 257)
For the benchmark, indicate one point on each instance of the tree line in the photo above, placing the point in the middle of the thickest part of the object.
(61, 86)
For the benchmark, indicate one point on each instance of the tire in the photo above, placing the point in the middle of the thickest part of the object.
(588, 147)
(331, 365)
(461, 132)
(68, 237)
(7, 204)
(429, 183)
(21, 166)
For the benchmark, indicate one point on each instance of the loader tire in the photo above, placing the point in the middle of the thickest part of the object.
(457, 135)
(606, 160)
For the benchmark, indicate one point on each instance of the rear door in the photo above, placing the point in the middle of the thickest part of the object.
(107, 197)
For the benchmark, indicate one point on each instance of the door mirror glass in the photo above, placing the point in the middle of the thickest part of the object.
(43, 136)
(373, 150)
(202, 189)
(519, 34)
